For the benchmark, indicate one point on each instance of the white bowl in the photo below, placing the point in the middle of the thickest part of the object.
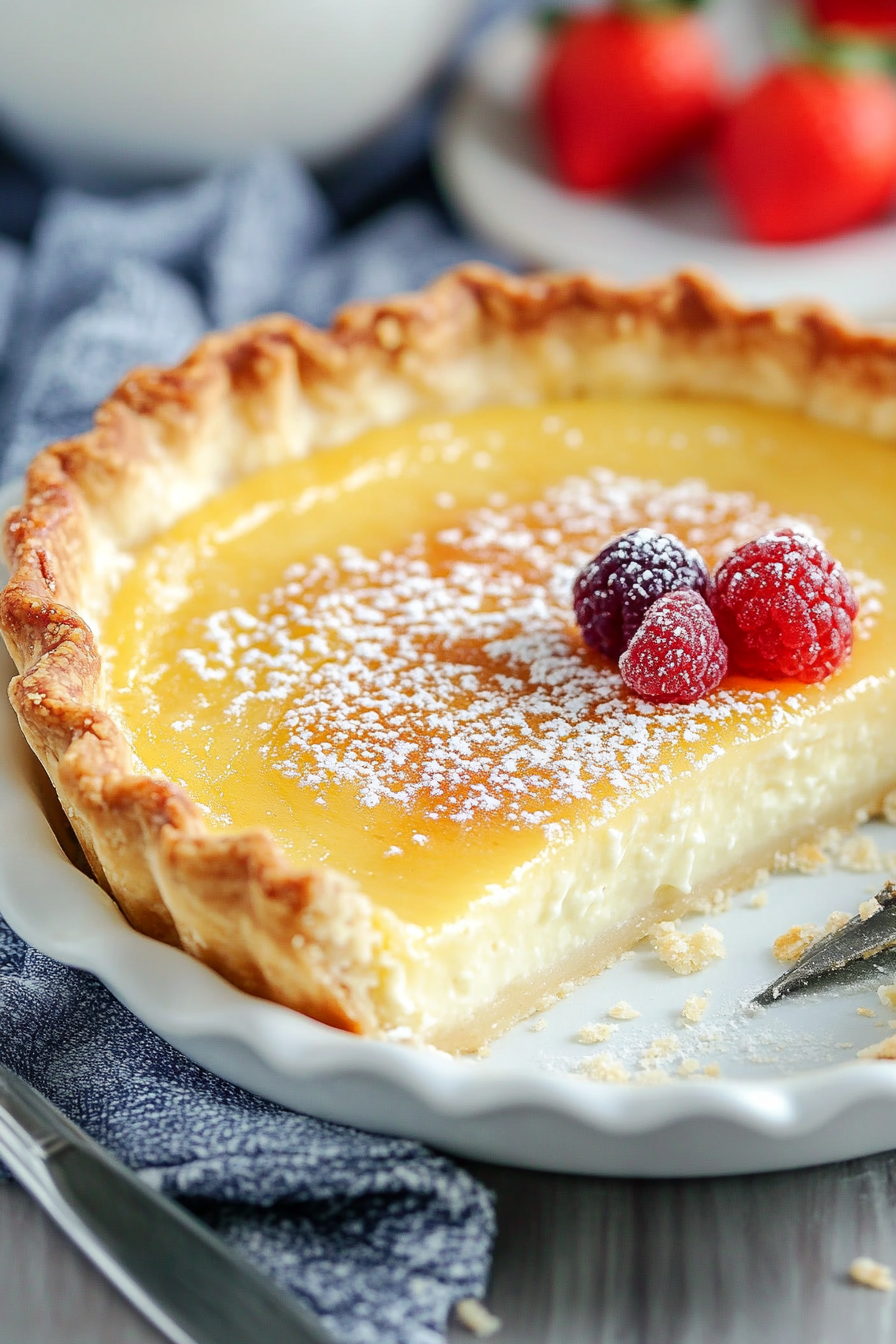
(132, 88)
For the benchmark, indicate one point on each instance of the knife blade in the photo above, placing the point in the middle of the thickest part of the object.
(856, 941)
(176, 1272)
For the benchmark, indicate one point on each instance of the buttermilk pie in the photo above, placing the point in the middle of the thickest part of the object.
(296, 645)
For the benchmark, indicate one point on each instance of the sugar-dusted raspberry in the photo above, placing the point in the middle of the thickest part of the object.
(677, 654)
(615, 589)
(785, 608)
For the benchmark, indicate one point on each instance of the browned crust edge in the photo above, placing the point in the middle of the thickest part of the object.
(275, 388)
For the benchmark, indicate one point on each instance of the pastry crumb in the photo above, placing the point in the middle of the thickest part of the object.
(871, 1274)
(860, 855)
(694, 1007)
(592, 1033)
(539, 1025)
(865, 1012)
(887, 996)
(685, 953)
(483, 1052)
(545, 1002)
(477, 1318)
(791, 945)
(836, 920)
(604, 1069)
(885, 1049)
(832, 839)
(809, 858)
(688, 1066)
(651, 1077)
(869, 908)
(661, 1048)
(566, 988)
(712, 1071)
(758, 900)
(623, 1011)
(715, 903)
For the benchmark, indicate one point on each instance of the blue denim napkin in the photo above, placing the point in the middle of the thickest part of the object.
(109, 283)
(377, 1235)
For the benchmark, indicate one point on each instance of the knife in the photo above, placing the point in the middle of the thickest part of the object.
(168, 1264)
(858, 940)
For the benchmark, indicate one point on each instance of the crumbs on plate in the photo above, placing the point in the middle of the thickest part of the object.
(685, 953)
(871, 1274)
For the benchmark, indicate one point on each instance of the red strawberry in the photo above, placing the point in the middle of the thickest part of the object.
(623, 93)
(809, 151)
(871, 17)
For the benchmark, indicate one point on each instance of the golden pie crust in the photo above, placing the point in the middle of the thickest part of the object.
(169, 439)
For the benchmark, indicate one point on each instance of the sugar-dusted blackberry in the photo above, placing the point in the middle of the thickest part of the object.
(613, 591)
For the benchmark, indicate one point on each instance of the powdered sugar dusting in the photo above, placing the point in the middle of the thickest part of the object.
(448, 677)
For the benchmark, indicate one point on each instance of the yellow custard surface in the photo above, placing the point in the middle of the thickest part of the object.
(371, 652)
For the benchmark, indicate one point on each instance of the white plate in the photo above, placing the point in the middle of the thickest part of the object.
(788, 1094)
(493, 167)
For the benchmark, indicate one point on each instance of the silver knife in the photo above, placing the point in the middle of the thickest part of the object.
(172, 1268)
(858, 940)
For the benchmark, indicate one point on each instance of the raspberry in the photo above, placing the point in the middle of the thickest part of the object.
(785, 608)
(615, 589)
(677, 655)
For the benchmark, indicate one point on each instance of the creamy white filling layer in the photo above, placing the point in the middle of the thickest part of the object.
(711, 828)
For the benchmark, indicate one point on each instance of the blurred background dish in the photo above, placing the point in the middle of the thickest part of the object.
(117, 90)
(494, 167)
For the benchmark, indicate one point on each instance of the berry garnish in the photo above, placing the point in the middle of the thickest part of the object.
(626, 91)
(614, 590)
(677, 655)
(785, 608)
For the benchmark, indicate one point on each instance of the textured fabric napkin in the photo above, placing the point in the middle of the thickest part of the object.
(379, 1236)
(110, 283)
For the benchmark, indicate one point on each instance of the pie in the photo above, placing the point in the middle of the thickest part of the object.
(295, 642)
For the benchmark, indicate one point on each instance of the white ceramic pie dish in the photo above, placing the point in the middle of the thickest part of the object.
(778, 1103)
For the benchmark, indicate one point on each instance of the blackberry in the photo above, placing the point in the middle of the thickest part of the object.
(614, 590)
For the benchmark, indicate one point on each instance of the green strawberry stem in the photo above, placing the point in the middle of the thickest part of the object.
(552, 18)
(848, 54)
(647, 9)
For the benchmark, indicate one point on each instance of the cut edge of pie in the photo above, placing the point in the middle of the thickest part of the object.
(275, 390)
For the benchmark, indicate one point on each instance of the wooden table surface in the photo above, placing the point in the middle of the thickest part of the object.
(747, 1260)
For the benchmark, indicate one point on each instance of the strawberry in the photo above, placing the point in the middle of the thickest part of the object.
(809, 151)
(624, 92)
(871, 17)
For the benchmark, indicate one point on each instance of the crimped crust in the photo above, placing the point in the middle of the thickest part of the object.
(273, 390)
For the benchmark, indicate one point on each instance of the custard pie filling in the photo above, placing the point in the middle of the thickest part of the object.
(372, 654)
